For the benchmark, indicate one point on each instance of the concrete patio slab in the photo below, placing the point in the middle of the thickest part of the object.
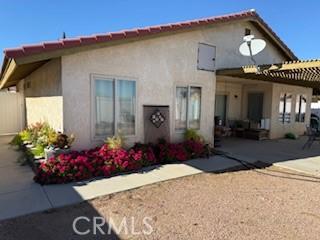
(15, 178)
(307, 165)
(22, 202)
(283, 153)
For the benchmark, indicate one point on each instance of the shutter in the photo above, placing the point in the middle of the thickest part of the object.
(206, 57)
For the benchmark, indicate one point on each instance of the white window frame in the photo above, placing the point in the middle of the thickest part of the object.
(115, 79)
(188, 100)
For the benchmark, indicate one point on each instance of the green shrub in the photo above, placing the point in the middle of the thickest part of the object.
(290, 136)
(42, 134)
(25, 135)
(192, 134)
(16, 141)
(38, 151)
(116, 142)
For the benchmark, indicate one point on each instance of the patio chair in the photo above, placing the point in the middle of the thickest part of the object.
(313, 135)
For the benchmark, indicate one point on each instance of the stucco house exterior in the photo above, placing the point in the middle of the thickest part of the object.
(150, 82)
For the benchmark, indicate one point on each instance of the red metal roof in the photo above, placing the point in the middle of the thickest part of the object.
(28, 50)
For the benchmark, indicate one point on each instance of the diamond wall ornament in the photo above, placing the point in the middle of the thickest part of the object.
(157, 118)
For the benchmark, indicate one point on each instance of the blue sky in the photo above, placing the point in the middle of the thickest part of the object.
(27, 21)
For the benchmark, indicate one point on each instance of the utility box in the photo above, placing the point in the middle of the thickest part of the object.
(206, 57)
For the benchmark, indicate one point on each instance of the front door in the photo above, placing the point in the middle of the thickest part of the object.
(255, 107)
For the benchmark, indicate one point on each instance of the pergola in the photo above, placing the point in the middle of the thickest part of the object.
(301, 73)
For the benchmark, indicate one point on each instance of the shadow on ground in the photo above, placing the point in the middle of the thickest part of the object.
(41, 227)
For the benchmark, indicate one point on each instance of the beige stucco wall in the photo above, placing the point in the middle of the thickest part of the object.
(237, 91)
(237, 108)
(259, 87)
(45, 109)
(233, 91)
(278, 129)
(43, 95)
(158, 65)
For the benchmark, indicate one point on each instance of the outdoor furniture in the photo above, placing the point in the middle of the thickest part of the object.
(248, 129)
(256, 134)
(313, 135)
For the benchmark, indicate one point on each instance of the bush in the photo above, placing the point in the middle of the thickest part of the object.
(109, 160)
(290, 136)
(192, 134)
(41, 134)
(115, 142)
(38, 151)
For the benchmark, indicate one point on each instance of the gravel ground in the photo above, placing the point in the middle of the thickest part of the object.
(254, 204)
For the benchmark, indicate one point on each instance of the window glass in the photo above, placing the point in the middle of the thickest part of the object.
(181, 108)
(127, 106)
(288, 104)
(303, 108)
(285, 106)
(195, 107)
(281, 107)
(188, 107)
(104, 101)
(301, 105)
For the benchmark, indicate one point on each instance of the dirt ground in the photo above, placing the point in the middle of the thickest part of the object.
(255, 204)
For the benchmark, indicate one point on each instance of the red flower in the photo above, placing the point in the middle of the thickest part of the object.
(107, 162)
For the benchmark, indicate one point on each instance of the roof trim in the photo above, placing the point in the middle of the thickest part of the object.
(28, 50)
(47, 50)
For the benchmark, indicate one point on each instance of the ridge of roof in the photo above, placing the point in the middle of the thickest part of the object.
(27, 50)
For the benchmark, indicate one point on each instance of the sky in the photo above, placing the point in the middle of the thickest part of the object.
(32, 21)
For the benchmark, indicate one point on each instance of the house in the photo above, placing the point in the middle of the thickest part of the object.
(158, 81)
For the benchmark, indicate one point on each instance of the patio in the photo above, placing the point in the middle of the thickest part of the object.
(284, 153)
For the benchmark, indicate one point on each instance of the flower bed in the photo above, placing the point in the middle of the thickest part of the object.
(107, 161)
(40, 140)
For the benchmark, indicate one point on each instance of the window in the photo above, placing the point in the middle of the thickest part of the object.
(247, 32)
(115, 106)
(188, 108)
(285, 107)
(181, 107)
(301, 105)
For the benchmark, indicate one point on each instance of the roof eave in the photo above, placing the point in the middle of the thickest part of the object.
(8, 69)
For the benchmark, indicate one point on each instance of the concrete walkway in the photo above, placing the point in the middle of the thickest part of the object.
(19, 195)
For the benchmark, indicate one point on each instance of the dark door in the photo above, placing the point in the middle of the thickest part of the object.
(255, 106)
(156, 123)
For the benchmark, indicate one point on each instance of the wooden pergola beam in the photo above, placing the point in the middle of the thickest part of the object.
(301, 73)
